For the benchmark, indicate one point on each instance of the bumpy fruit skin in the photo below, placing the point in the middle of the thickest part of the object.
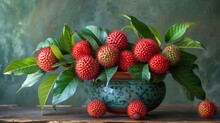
(207, 109)
(173, 54)
(87, 68)
(144, 49)
(159, 64)
(46, 59)
(118, 39)
(107, 55)
(126, 60)
(81, 48)
(96, 108)
(137, 110)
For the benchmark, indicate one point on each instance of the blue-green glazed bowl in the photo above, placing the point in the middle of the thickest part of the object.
(122, 89)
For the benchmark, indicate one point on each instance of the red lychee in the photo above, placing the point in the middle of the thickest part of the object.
(87, 68)
(81, 48)
(137, 110)
(118, 39)
(96, 108)
(126, 60)
(207, 109)
(46, 59)
(159, 64)
(144, 49)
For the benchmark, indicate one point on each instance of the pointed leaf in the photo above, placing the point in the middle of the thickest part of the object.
(67, 39)
(102, 77)
(110, 72)
(146, 73)
(157, 77)
(47, 43)
(56, 51)
(156, 33)
(190, 80)
(64, 63)
(97, 33)
(22, 66)
(134, 30)
(79, 35)
(136, 70)
(32, 79)
(143, 30)
(45, 88)
(176, 31)
(187, 58)
(92, 42)
(184, 91)
(189, 43)
(65, 86)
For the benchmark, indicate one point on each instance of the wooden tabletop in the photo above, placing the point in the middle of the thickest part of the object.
(13, 113)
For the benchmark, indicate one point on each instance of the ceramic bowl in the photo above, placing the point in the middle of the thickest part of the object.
(122, 89)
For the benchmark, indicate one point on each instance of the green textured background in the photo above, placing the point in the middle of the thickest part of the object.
(24, 23)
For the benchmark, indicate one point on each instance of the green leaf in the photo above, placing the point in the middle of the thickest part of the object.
(64, 63)
(67, 39)
(157, 77)
(190, 80)
(146, 73)
(56, 51)
(189, 43)
(176, 31)
(110, 72)
(79, 35)
(47, 43)
(187, 58)
(156, 33)
(143, 30)
(97, 33)
(136, 70)
(65, 86)
(184, 91)
(22, 66)
(134, 30)
(45, 88)
(93, 43)
(102, 77)
(32, 79)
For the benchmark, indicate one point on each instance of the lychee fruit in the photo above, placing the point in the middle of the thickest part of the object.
(107, 55)
(207, 109)
(118, 39)
(173, 54)
(96, 108)
(144, 49)
(137, 110)
(81, 48)
(46, 59)
(159, 64)
(126, 60)
(87, 68)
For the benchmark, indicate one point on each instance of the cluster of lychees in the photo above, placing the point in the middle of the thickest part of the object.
(137, 110)
(114, 52)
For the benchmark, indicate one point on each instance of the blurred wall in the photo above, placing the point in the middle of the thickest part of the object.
(24, 23)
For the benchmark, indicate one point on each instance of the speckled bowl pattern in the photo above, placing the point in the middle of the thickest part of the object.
(119, 93)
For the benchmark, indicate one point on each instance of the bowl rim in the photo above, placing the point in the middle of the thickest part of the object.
(122, 76)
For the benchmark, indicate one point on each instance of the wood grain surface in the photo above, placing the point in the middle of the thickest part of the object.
(13, 113)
